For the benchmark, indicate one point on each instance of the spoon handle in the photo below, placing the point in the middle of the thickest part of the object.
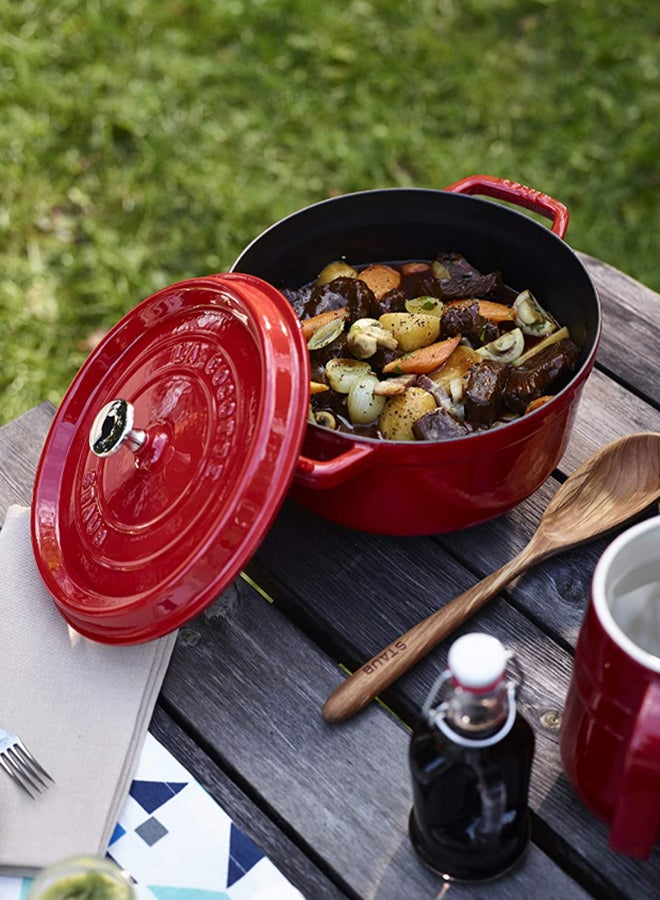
(385, 667)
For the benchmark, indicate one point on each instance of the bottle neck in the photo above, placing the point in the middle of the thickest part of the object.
(477, 715)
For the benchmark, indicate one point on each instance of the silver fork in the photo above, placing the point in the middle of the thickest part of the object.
(19, 764)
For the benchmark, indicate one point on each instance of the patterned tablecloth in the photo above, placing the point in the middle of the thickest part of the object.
(178, 844)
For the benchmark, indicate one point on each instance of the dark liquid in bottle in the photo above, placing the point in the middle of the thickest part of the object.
(470, 820)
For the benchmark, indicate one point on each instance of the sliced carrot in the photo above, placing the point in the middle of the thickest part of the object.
(426, 359)
(534, 404)
(495, 312)
(414, 268)
(309, 326)
(316, 387)
(380, 279)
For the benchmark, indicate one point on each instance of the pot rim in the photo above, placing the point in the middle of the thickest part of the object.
(351, 196)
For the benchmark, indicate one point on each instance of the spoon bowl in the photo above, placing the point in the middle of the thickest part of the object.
(615, 484)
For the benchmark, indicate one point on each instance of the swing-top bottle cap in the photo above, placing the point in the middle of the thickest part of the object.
(477, 661)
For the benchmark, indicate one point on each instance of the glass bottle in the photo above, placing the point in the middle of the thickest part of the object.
(470, 760)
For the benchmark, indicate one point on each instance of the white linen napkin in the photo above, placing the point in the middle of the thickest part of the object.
(82, 708)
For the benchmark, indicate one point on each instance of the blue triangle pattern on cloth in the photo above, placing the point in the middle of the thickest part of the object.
(243, 854)
(117, 833)
(152, 794)
(174, 893)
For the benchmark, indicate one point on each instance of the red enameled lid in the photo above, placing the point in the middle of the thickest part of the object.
(169, 456)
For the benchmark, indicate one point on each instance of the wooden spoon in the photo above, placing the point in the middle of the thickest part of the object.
(613, 485)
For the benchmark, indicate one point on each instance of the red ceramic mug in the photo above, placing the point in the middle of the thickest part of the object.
(610, 737)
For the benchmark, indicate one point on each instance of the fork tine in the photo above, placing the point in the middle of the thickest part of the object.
(37, 768)
(23, 763)
(25, 770)
(19, 764)
(10, 768)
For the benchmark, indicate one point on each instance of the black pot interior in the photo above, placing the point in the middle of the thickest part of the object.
(407, 223)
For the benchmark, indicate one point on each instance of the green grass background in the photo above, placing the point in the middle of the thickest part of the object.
(146, 141)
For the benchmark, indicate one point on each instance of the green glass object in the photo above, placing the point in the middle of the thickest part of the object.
(82, 878)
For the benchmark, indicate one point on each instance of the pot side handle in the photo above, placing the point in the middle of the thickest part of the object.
(636, 821)
(513, 192)
(327, 473)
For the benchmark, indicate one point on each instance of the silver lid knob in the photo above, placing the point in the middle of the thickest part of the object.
(113, 428)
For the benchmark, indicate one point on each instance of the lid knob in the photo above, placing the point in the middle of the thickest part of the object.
(113, 428)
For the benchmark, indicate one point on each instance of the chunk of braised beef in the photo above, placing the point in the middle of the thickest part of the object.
(484, 392)
(413, 280)
(360, 299)
(392, 301)
(331, 401)
(323, 298)
(440, 425)
(465, 286)
(431, 287)
(298, 298)
(489, 331)
(340, 292)
(464, 319)
(382, 357)
(484, 286)
(531, 379)
(456, 264)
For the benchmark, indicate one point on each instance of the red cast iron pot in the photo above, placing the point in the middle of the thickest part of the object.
(409, 488)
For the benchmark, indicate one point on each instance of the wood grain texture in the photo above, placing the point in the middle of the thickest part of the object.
(231, 684)
(611, 487)
(629, 343)
(606, 411)
(247, 685)
(555, 593)
(20, 448)
(252, 685)
(283, 852)
(402, 584)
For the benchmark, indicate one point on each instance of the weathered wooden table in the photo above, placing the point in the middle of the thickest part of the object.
(240, 706)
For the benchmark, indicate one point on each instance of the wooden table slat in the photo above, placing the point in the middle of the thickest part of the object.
(629, 341)
(241, 702)
(281, 850)
(345, 789)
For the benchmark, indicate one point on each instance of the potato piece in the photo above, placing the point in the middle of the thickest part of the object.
(458, 365)
(440, 270)
(428, 306)
(380, 279)
(401, 412)
(412, 330)
(338, 269)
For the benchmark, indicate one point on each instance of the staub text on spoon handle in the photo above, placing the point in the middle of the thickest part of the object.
(385, 667)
